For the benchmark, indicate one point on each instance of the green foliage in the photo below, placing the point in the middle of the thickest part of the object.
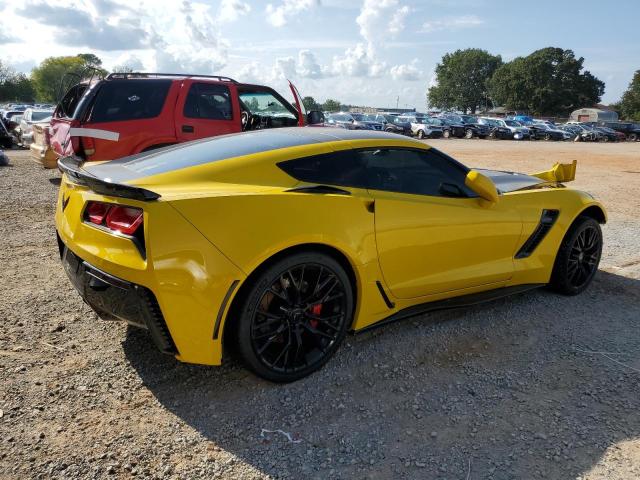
(55, 75)
(15, 86)
(629, 105)
(310, 104)
(331, 105)
(549, 81)
(462, 80)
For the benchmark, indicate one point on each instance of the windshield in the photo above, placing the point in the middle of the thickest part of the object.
(265, 104)
(512, 123)
(359, 117)
(37, 116)
(493, 123)
(468, 119)
(434, 121)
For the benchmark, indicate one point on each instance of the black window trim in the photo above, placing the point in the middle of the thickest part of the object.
(463, 168)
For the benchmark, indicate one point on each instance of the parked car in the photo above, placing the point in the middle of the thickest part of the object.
(471, 126)
(584, 133)
(29, 118)
(450, 128)
(630, 130)
(40, 148)
(125, 114)
(6, 139)
(352, 121)
(541, 131)
(188, 243)
(500, 130)
(422, 127)
(609, 135)
(391, 123)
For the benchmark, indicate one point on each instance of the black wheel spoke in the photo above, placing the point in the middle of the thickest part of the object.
(584, 256)
(300, 315)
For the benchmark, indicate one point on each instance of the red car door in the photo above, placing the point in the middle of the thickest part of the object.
(206, 109)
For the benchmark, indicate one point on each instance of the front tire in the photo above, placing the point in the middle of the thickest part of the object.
(295, 315)
(578, 257)
(446, 133)
(468, 133)
(421, 135)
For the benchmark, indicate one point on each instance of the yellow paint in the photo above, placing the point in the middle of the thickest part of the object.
(216, 223)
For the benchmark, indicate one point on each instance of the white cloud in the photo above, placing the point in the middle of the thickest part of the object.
(129, 62)
(381, 17)
(231, 10)
(308, 66)
(358, 61)
(284, 68)
(278, 16)
(407, 71)
(452, 23)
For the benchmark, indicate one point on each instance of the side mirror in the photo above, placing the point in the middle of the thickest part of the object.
(482, 185)
(314, 117)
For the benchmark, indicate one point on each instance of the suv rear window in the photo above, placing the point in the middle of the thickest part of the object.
(210, 101)
(120, 100)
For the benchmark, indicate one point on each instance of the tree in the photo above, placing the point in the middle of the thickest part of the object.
(629, 105)
(15, 86)
(549, 81)
(462, 78)
(54, 75)
(331, 105)
(310, 104)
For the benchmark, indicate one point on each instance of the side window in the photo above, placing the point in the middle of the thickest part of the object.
(344, 168)
(67, 106)
(416, 172)
(119, 100)
(207, 100)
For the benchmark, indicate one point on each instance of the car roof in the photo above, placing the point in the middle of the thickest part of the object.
(207, 150)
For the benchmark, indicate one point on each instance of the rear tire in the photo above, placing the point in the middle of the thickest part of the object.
(295, 315)
(578, 257)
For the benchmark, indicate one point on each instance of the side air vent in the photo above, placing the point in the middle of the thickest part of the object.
(547, 220)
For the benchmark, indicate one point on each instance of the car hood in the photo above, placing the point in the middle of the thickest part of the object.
(511, 181)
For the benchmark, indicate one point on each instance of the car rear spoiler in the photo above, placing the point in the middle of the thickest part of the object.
(560, 172)
(72, 167)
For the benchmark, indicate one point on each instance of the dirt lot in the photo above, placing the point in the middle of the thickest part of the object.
(534, 386)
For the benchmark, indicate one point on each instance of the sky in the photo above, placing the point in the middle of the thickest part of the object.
(362, 52)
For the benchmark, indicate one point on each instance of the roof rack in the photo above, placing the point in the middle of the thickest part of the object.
(126, 75)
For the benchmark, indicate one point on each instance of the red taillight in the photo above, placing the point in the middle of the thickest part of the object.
(124, 219)
(96, 211)
(119, 218)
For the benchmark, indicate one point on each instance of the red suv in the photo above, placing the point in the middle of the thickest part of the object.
(125, 114)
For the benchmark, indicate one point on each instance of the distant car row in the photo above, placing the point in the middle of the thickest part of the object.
(18, 122)
(448, 125)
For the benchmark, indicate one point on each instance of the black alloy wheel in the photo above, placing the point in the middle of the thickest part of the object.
(578, 257)
(295, 317)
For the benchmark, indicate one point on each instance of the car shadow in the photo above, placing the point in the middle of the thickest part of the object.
(55, 181)
(535, 385)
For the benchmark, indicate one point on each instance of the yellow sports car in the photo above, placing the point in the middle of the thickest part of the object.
(277, 242)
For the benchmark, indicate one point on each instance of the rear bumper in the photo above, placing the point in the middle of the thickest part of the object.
(43, 155)
(113, 298)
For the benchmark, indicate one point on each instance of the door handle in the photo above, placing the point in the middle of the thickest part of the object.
(188, 128)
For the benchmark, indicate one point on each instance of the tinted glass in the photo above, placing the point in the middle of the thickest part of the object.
(207, 100)
(129, 100)
(414, 172)
(344, 168)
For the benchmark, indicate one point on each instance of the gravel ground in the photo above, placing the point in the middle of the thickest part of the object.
(534, 386)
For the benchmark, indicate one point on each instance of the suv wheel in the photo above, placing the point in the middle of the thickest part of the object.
(632, 137)
(294, 317)
(468, 133)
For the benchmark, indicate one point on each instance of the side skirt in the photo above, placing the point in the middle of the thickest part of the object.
(454, 302)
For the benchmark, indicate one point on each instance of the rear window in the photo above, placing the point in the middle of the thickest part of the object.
(120, 100)
(346, 168)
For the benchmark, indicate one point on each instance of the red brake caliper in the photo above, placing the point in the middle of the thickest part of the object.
(315, 310)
